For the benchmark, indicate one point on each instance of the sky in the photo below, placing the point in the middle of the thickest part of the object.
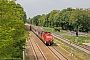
(39, 7)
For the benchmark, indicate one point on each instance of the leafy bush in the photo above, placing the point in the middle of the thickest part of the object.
(57, 28)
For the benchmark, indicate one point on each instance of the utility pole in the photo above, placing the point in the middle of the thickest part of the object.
(23, 53)
(76, 34)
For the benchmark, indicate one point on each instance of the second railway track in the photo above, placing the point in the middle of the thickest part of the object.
(73, 44)
(57, 53)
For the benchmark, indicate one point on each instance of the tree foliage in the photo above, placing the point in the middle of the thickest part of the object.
(12, 33)
(68, 19)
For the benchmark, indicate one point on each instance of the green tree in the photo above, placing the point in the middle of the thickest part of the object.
(12, 33)
(72, 19)
(51, 17)
(43, 20)
(79, 18)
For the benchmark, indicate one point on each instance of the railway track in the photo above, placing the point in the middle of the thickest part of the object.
(43, 52)
(73, 44)
(37, 51)
(57, 53)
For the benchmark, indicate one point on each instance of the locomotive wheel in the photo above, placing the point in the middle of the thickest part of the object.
(45, 42)
(49, 44)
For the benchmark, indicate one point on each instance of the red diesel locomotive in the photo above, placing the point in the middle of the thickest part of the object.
(45, 36)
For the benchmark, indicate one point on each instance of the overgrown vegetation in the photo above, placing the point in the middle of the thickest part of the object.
(72, 52)
(80, 40)
(12, 32)
(57, 29)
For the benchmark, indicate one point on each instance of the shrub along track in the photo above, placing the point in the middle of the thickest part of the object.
(43, 52)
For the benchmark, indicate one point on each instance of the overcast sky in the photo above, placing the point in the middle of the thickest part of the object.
(39, 7)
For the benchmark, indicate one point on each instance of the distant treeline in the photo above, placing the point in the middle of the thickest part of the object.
(12, 30)
(68, 19)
